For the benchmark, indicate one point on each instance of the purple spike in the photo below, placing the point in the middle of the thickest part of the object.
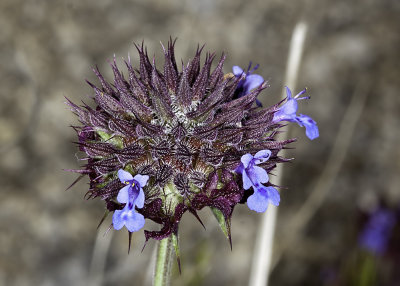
(137, 88)
(194, 66)
(183, 153)
(102, 219)
(129, 153)
(111, 189)
(179, 132)
(82, 114)
(162, 175)
(119, 81)
(217, 73)
(231, 136)
(106, 86)
(76, 181)
(209, 102)
(171, 52)
(162, 103)
(107, 102)
(196, 215)
(145, 65)
(136, 107)
(105, 166)
(200, 85)
(170, 71)
(184, 93)
(98, 149)
(129, 241)
(148, 130)
(122, 127)
(244, 102)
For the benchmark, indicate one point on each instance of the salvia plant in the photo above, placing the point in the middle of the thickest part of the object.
(163, 142)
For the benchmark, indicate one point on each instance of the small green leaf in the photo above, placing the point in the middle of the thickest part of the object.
(225, 225)
(103, 135)
(117, 141)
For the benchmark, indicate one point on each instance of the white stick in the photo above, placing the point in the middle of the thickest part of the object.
(264, 243)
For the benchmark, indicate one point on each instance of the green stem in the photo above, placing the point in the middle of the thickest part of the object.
(163, 263)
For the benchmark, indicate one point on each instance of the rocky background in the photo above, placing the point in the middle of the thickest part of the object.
(350, 65)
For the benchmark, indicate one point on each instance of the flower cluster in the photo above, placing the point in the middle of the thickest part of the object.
(163, 142)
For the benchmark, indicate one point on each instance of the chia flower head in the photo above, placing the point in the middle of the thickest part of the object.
(161, 142)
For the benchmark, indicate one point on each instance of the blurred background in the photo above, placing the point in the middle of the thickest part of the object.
(334, 187)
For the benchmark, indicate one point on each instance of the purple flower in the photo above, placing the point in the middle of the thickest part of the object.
(254, 176)
(131, 195)
(288, 111)
(376, 233)
(250, 82)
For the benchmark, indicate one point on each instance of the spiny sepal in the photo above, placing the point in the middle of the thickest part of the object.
(106, 213)
(224, 223)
